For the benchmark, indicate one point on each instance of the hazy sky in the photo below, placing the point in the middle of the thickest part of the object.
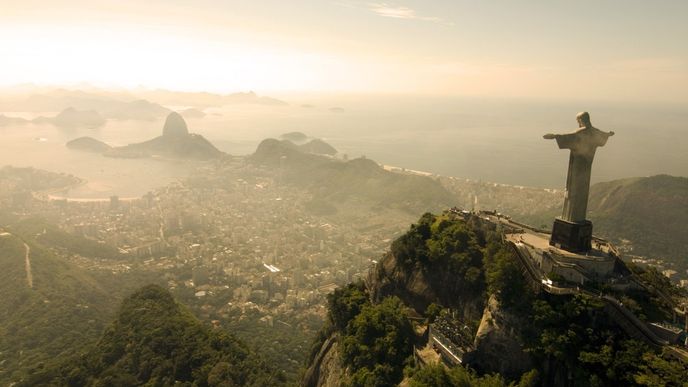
(621, 50)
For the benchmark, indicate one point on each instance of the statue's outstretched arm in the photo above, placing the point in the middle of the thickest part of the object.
(564, 141)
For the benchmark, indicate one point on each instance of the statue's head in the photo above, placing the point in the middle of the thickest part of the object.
(583, 119)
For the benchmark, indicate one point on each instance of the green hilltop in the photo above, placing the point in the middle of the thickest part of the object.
(334, 181)
(156, 341)
(65, 309)
(651, 212)
(455, 269)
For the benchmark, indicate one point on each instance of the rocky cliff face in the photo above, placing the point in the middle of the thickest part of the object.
(459, 268)
(497, 347)
(420, 288)
(326, 369)
(175, 126)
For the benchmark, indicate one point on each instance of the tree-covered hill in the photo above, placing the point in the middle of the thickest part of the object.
(65, 306)
(156, 341)
(51, 236)
(65, 309)
(445, 265)
(651, 212)
(358, 179)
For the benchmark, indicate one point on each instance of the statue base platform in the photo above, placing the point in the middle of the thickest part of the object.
(575, 237)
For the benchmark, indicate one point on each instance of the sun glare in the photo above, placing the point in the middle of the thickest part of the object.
(134, 57)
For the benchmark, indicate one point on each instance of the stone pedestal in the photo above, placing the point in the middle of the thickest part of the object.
(575, 237)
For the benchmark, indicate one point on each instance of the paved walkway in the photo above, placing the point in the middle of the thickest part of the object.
(27, 259)
(625, 318)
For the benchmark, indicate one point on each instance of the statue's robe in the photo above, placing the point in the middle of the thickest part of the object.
(582, 144)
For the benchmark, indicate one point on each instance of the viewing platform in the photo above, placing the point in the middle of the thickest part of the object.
(600, 264)
(560, 272)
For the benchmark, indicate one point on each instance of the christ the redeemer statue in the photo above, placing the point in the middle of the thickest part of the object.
(582, 144)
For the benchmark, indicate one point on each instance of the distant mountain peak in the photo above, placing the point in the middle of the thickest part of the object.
(175, 142)
(175, 125)
(318, 146)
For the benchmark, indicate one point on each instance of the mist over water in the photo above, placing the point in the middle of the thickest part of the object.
(43, 147)
(481, 139)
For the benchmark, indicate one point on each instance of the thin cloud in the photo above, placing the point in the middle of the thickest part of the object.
(400, 12)
(393, 11)
(386, 10)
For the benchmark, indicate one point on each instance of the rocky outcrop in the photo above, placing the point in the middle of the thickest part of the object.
(497, 347)
(326, 368)
(175, 142)
(389, 278)
(419, 288)
(175, 126)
